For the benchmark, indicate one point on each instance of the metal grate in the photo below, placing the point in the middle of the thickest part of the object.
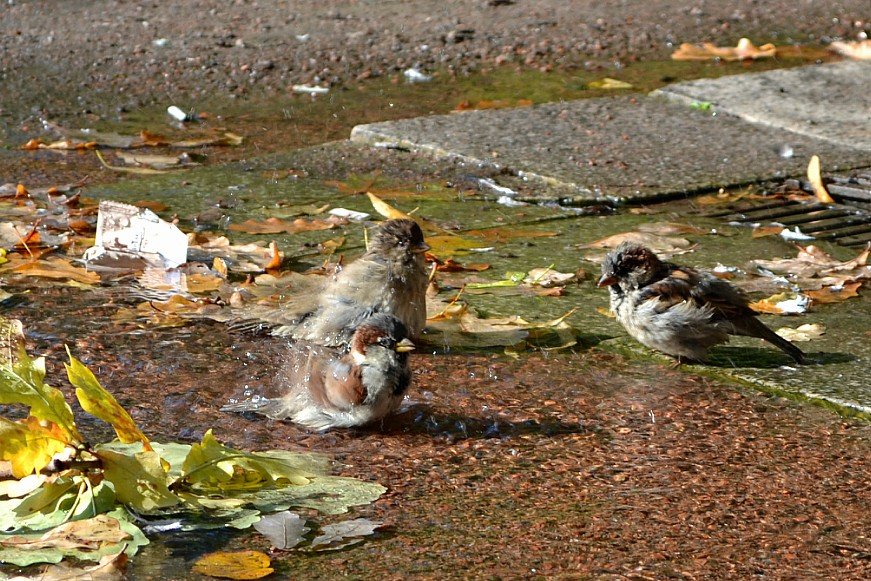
(848, 222)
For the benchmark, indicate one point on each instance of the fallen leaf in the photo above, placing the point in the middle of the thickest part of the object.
(762, 231)
(285, 529)
(805, 332)
(744, 50)
(110, 568)
(786, 303)
(101, 404)
(547, 277)
(834, 294)
(344, 534)
(450, 265)
(813, 176)
(609, 83)
(234, 565)
(606, 312)
(277, 225)
(856, 49)
(133, 170)
(671, 229)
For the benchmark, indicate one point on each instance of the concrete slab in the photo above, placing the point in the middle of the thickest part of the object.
(623, 148)
(831, 102)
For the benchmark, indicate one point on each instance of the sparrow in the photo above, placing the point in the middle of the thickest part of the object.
(678, 310)
(340, 388)
(391, 278)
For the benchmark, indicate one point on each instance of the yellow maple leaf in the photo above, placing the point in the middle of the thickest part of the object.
(101, 404)
(234, 565)
(29, 445)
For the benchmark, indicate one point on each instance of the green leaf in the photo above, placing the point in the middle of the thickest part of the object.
(29, 446)
(21, 382)
(212, 466)
(326, 494)
(139, 479)
(67, 498)
(100, 403)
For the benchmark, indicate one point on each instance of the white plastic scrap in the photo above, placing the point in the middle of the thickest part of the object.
(352, 215)
(795, 234)
(310, 89)
(487, 182)
(510, 202)
(177, 113)
(794, 306)
(122, 228)
(413, 75)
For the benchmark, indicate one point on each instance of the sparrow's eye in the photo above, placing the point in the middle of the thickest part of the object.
(386, 342)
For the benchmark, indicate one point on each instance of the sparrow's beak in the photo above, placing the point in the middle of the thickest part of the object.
(422, 247)
(606, 280)
(404, 346)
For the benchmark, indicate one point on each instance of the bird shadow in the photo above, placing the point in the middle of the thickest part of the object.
(422, 419)
(762, 358)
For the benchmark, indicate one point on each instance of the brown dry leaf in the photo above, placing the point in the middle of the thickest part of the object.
(814, 262)
(663, 246)
(813, 176)
(274, 262)
(609, 84)
(109, 568)
(670, 229)
(855, 49)
(235, 565)
(278, 226)
(202, 283)
(63, 145)
(744, 50)
(492, 104)
(786, 303)
(446, 245)
(162, 162)
(506, 233)
(450, 265)
(834, 294)
(52, 267)
(805, 332)
(227, 138)
(152, 205)
(762, 231)
(88, 534)
(133, 170)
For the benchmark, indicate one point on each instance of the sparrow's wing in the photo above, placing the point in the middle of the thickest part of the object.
(674, 289)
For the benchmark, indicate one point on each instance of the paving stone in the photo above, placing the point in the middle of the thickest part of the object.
(622, 148)
(831, 102)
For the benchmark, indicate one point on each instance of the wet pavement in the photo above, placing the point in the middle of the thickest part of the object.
(599, 461)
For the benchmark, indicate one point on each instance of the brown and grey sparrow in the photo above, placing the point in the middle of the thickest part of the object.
(340, 388)
(678, 310)
(391, 277)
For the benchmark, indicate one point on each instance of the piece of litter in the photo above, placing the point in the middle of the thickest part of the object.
(795, 234)
(786, 151)
(349, 214)
(122, 228)
(510, 202)
(303, 37)
(725, 269)
(413, 75)
(310, 89)
(160, 41)
(177, 113)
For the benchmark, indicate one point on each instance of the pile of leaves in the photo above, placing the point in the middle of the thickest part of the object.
(66, 498)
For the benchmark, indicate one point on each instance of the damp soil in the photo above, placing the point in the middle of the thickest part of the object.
(581, 463)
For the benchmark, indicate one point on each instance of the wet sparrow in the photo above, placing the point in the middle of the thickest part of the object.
(339, 388)
(391, 277)
(678, 310)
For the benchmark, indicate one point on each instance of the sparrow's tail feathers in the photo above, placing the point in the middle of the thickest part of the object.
(260, 405)
(756, 328)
